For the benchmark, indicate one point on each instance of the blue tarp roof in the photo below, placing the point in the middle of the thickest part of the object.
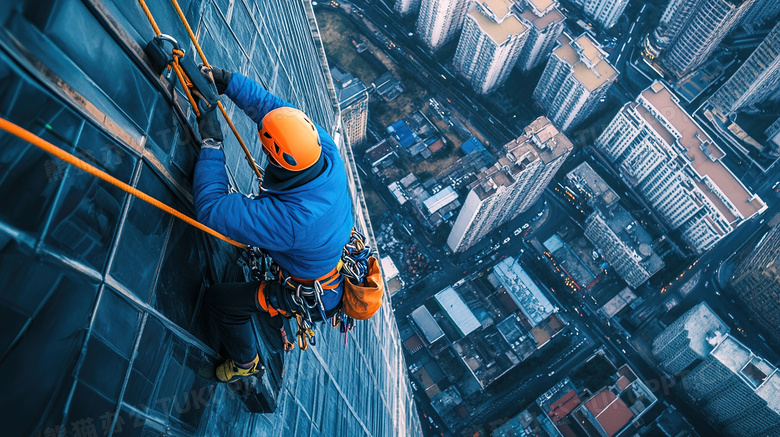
(401, 132)
(471, 145)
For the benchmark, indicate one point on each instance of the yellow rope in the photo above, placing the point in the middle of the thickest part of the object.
(48, 147)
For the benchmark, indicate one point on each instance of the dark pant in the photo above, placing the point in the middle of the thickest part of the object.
(232, 306)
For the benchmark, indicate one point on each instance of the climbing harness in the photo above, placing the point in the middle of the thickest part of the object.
(304, 298)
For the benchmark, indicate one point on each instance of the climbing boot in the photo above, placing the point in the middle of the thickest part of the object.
(229, 371)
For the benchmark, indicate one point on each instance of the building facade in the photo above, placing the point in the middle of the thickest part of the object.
(353, 103)
(688, 340)
(545, 25)
(604, 12)
(440, 21)
(661, 151)
(757, 79)
(737, 390)
(405, 7)
(691, 29)
(512, 185)
(756, 281)
(103, 330)
(489, 45)
(763, 11)
(576, 78)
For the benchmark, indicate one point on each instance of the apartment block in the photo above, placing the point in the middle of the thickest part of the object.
(756, 281)
(661, 151)
(691, 29)
(353, 103)
(512, 185)
(440, 21)
(545, 24)
(604, 12)
(756, 80)
(576, 78)
(625, 245)
(689, 339)
(737, 390)
(489, 45)
(763, 11)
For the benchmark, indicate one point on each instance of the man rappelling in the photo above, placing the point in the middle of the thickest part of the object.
(302, 218)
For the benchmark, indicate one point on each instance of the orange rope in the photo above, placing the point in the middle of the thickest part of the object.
(48, 147)
(186, 83)
(150, 17)
(221, 108)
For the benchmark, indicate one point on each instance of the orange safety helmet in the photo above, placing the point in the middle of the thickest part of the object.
(290, 138)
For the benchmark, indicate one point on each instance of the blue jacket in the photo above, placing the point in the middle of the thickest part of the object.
(303, 228)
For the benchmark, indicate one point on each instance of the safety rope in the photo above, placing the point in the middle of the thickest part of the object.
(186, 83)
(48, 147)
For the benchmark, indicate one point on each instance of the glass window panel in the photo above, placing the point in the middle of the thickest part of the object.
(181, 276)
(144, 233)
(88, 409)
(29, 177)
(162, 129)
(146, 364)
(88, 209)
(60, 334)
(135, 95)
(103, 368)
(195, 389)
(170, 379)
(116, 322)
(11, 323)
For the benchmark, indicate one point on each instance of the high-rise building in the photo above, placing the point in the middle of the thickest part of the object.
(691, 29)
(736, 390)
(440, 21)
(662, 152)
(576, 78)
(617, 235)
(489, 45)
(353, 103)
(763, 11)
(757, 79)
(512, 185)
(688, 341)
(405, 7)
(103, 332)
(545, 25)
(604, 12)
(756, 281)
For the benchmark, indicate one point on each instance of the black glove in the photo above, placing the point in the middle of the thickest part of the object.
(221, 77)
(209, 126)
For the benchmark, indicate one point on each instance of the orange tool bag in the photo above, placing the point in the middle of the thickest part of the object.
(363, 285)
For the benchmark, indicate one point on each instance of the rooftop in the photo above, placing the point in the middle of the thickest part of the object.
(349, 89)
(458, 312)
(427, 324)
(527, 295)
(691, 137)
(541, 22)
(586, 179)
(542, 5)
(440, 199)
(759, 374)
(587, 60)
(610, 412)
(703, 325)
(499, 31)
(540, 138)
